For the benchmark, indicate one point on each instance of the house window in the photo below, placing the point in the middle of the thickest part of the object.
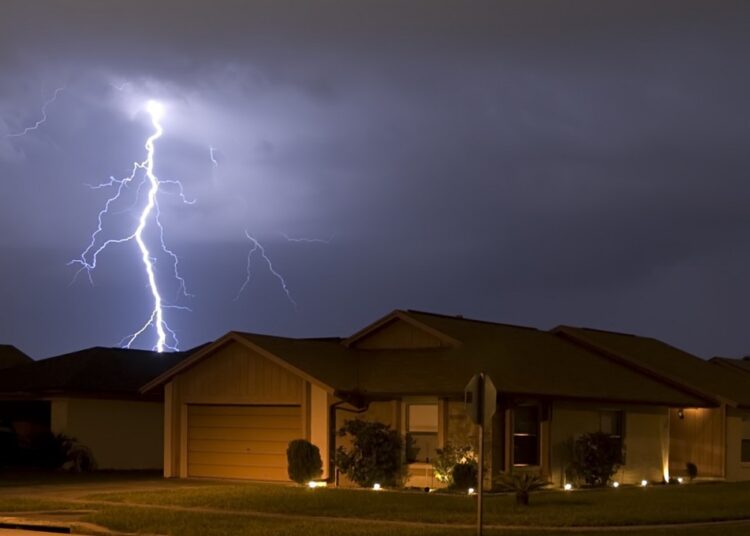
(611, 423)
(422, 432)
(745, 453)
(526, 435)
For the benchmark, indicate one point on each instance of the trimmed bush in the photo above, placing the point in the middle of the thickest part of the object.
(375, 455)
(465, 475)
(304, 461)
(692, 470)
(448, 457)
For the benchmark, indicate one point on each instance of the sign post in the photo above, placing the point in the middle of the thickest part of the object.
(480, 398)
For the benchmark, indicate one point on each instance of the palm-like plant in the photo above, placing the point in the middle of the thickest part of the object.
(521, 483)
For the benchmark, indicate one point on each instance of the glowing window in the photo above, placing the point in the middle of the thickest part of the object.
(422, 432)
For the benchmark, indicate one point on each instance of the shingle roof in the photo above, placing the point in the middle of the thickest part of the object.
(111, 372)
(665, 362)
(10, 356)
(520, 360)
(742, 365)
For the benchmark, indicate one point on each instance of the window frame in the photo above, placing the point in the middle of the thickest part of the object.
(538, 436)
(407, 403)
(745, 440)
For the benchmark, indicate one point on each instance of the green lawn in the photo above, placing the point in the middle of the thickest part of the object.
(624, 506)
(236, 503)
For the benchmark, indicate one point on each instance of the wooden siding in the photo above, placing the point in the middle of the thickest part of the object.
(697, 437)
(398, 334)
(241, 441)
(237, 375)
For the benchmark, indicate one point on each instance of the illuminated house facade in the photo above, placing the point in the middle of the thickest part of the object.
(231, 408)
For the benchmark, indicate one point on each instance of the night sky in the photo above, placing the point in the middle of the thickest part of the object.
(526, 162)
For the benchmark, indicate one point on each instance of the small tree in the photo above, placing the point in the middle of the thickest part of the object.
(596, 457)
(304, 463)
(521, 483)
(375, 455)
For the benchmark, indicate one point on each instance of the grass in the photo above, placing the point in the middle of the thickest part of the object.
(624, 506)
(24, 504)
(135, 520)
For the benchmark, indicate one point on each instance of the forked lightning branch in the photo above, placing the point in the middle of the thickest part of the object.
(144, 180)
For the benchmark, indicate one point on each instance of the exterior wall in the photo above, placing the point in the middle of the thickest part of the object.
(646, 440)
(698, 437)
(121, 434)
(735, 469)
(398, 334)
(319, 424)
(233, 374)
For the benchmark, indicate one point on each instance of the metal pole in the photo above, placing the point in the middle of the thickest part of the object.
(480, 471)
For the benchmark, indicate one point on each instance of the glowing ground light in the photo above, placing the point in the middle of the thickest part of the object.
(166, 338)
(615, 484)
(568, 486)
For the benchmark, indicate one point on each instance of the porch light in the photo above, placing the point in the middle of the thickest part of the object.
(644, 483)
(615, 484)
(568, 486)
(471, 491)
(376, 486)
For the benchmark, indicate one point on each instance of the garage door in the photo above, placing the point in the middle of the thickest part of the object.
(241, 441)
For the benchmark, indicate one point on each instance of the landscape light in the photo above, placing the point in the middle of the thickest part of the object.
(615, 484)
(679, 480)
(471, 491)
(312, 484)
(644, 483)
(568, 486)
(376, 486)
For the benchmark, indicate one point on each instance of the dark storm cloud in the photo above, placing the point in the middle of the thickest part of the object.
(534, 162)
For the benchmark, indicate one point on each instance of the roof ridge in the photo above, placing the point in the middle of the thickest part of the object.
(465, 319)
(610, 331)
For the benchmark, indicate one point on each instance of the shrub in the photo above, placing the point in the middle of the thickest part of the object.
(59, 451)
(448, 457)
(374, 456)
(304, 463)
(465, 475)
(520, 483)
(596, 457)
(692, 470)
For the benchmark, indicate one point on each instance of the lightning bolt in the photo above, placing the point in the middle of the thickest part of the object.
(166, 338)
(308, 240)
(256, 246)
(40, 121)
(212, 155)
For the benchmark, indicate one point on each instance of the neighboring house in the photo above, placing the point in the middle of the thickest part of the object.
(10, 356)
(92, 395)
(716, 440)
(232, 407)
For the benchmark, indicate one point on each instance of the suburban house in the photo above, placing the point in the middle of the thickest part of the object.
(92, 395)
(231, 407)
(715, 439)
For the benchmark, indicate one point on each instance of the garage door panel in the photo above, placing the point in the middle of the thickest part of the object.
(244, 410)
(246, 442)
(218, 445)
(247, 421)
(230, 471)
(238, 459)
(243, 434)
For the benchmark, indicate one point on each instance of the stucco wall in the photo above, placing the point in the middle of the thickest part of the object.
(121, 434)
(736, 470)
(646, 440)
